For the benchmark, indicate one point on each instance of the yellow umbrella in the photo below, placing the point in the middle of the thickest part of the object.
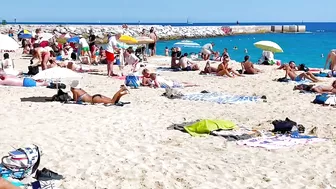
(143, 40)
(268, 46)
(127, 39)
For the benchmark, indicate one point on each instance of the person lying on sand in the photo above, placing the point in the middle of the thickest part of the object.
(6, 185)
(247, 66)
(160, 82)
(208, 69)
(186, 65)
(291, 64)
(305, 75)
(11, 80)
(224, 70)
(317, 89)
(77, 68)
(80, 96)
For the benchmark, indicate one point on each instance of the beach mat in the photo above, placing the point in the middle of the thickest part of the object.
(277, 142)
(221, 98)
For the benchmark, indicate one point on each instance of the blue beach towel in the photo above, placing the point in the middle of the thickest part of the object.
(221, 98)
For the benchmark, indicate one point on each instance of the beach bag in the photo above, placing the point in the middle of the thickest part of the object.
(132, 81)
(283, 126)
(321, 99)
(33, 70)
(21, 162)
(283, 79)
(61, 96)
(303, 67)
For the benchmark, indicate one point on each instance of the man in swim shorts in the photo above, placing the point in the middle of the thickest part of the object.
(10, 80)
(207, 50)
(305, 75)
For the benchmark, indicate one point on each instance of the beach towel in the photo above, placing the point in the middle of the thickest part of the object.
(168, 69)
(204, 127)
(325, 99)
(234, 135)
(221, 98)
(277, 142)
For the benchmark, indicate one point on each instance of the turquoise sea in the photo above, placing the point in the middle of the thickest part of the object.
(304, 48)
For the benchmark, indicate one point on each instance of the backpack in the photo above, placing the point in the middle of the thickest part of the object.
(21, 162)
(321, 99)
(33, 70)
(283, 126)
(61, 96)
(132, 81)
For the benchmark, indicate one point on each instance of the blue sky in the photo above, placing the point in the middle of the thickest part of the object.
(169, 10)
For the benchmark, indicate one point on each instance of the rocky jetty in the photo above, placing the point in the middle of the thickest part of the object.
(163, 32)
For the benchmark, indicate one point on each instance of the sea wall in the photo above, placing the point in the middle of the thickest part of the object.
(163, 32)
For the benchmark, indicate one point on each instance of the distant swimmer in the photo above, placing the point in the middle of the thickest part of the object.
(235, 48)
(246, 52)
(322, 55)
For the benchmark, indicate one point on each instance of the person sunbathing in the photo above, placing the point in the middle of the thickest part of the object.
(247, 66)
(160, 82)
(208, 69)
(11, 80)
(224, 70)
(80, 96)
(305, 75)
(186, 65)
(78, 68)
(291, 64)
(317, 89)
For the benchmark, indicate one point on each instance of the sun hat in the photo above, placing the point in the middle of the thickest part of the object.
(75, 84)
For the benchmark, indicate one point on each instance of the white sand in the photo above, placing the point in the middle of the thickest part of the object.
(130, 147)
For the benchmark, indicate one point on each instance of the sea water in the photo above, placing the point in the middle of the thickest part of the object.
(310, 48)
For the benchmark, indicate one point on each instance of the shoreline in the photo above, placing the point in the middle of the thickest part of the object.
(164, 32)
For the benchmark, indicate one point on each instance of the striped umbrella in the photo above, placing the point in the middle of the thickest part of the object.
(187, 43)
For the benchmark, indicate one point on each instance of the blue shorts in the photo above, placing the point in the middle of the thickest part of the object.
(298, 78)
(29, 82)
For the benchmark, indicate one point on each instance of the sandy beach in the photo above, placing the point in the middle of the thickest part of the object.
(95, 146)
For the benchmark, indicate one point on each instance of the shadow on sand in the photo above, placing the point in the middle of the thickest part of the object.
(36, 99)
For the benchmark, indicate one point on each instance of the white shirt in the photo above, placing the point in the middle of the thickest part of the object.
(131, 59)
(207, 46)
(111, 44)
(83, 42)
(184, 62)
(268, 54)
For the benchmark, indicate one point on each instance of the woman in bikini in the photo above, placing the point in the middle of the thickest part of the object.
(223, 68)
(317, 89)
(42, 55)
(79, 95)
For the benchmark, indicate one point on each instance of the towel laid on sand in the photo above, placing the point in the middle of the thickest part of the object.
(221, 98)
(277, 142)
(168, 69)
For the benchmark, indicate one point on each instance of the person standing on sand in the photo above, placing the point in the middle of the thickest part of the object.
(11, 33)
(111, 48)
(92, 42)
(332, 59)
(151, 46)
(84, 46)
(207, 50)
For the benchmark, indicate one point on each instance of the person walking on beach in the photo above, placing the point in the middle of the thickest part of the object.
(11, 33)
(84, 46)
(110, 50)
(92, 42)
(152, 46)
(207, 50)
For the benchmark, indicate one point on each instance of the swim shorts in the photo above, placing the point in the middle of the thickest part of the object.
(29, 82)
(109, 56)
(85, 49)
(188, 68)
(297, 78)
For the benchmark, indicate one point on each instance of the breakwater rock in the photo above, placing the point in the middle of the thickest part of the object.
(163, 32)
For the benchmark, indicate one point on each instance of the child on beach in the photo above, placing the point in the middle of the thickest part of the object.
(167, 51)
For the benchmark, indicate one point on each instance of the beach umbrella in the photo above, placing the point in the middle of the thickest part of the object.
(73, 39)
(56, 74)
(187, 43)
(127, 39)
(144, 40)
(7, 43)
(25, 36)
(63, 38)
(268, 46)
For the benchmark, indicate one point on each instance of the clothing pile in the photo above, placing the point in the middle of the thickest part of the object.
(22, 164)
